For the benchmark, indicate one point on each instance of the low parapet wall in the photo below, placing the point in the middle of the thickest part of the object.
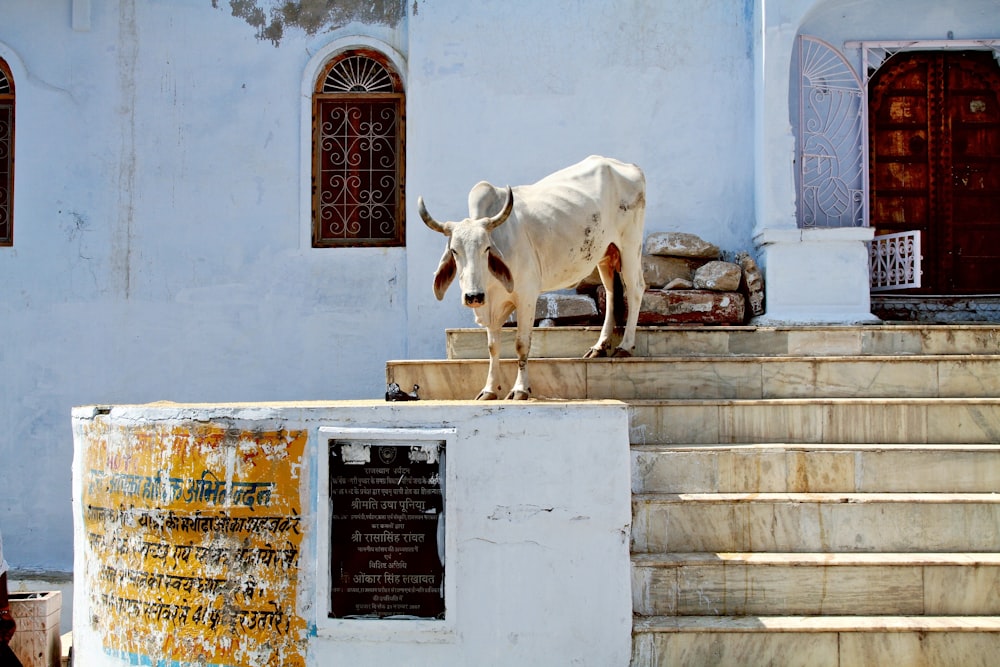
(446, 533)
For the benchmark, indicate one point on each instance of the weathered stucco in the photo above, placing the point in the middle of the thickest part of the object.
(821, 275)
(161, 205)
(191, 540)
(270, 18)
(202, 535)
(162, 212)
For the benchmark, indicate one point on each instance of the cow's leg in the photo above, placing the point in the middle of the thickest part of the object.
(635, 287)
(492, 386)
(521, 390)
(606, 268)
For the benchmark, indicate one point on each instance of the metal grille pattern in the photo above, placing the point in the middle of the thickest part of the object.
(358, 74)
(4, 84)
(831, 139)
(6, 171)
(358, 196)
(894, 261)
(358, 130)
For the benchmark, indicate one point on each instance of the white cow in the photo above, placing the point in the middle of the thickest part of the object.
(519, 242)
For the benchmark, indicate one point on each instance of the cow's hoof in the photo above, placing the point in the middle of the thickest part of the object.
(596, 352)
(486, 396)
(621, 353)
(518, 395)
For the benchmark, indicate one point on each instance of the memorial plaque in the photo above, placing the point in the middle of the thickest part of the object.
(386, 529)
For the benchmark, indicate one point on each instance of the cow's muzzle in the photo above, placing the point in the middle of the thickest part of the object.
(473, 299)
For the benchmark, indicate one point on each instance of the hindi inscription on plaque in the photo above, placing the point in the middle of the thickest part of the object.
(192, 541)
(386, 529)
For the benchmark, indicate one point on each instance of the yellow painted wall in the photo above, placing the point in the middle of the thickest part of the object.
(193, 541)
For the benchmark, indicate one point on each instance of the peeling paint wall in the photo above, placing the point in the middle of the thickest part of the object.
(197, 532)
(271, 18)
(192, 541)
(161, 251)
(162, 234)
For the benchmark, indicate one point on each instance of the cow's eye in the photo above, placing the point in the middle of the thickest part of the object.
(453, 252)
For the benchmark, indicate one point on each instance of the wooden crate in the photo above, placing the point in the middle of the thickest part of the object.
(37, 641)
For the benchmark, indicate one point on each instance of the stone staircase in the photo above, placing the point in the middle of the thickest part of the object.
(801, 496)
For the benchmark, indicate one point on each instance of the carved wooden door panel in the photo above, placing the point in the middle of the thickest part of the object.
(934, 126)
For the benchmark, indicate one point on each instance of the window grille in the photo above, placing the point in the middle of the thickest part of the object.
(894, 261)
(358, 156)
(358, 73)
(6, 156)
(832, 170)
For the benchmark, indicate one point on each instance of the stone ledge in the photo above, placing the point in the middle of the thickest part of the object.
(809, 559)
(742, 624)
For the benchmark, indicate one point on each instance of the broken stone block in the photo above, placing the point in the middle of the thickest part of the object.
(557, 306)
(658, 271)
(686, 307)
(680, 244)
(691, 307)
(752, 286)
(679, 283)
(718, 276)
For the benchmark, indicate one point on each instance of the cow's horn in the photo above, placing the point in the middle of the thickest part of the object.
(428, 220)
(502, 216)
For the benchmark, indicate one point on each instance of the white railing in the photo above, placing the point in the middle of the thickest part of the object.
(894, 261)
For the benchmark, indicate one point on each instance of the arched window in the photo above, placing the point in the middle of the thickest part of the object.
(6, 155)
(358, 152)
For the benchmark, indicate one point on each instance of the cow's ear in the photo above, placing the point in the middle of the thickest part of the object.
(445, 274)
(499, 270)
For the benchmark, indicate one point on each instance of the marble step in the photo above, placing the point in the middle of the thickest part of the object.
(816, 522)
(839, 584)
(875, 339)
(809, 467)
(844, 420)
(816, 641)
(735, 377)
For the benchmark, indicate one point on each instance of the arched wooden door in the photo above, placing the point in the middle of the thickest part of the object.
(934, 126)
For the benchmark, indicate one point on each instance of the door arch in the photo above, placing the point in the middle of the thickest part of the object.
(934, 163)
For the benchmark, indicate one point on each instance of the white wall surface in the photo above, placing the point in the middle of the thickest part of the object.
(538, 505)
(838, 21)
(158, 246)
(510, 92)
(161, 232)
(161, 242)
(822, 278)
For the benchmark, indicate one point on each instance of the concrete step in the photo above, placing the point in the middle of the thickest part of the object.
(873, 339)
(923, 376)
(817, 641)
(813, 468)
(816, 522)
(839, 584)
(845, 420)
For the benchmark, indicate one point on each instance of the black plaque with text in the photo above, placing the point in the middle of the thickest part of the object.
(386, 507)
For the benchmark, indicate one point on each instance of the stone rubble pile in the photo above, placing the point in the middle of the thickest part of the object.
(687, 282)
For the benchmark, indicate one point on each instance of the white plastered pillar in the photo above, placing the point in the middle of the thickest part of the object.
(810, 275)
